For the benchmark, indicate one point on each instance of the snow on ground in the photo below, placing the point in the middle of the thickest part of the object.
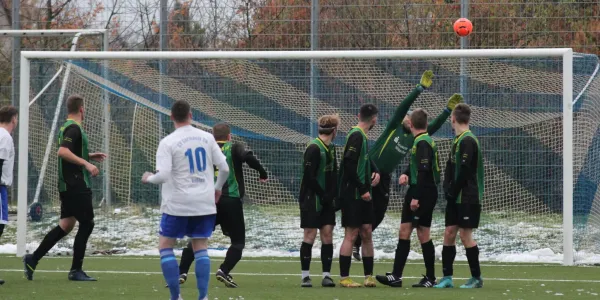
(275, 232)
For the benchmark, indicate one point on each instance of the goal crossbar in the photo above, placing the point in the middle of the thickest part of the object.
(282, 55)
(52, 32)
(567, 104)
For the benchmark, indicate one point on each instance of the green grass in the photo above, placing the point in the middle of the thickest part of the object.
(277, 278)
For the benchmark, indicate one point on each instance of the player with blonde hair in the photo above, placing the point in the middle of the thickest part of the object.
(317, 192)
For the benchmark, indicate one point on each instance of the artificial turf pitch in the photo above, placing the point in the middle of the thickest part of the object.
(279, 278)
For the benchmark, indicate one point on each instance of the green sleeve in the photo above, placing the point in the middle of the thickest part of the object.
(402, 110)
(437, 123)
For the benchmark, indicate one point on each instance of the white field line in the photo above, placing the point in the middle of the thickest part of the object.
(315, 261)
(298, 274)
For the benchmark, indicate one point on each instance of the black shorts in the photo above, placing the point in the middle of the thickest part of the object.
(463, 215)
(424, 214)
(381, 196)
(230, 216)
(357, 212)
(314, 219)
(77, 204)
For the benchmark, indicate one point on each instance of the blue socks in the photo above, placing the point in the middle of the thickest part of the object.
(202, 272)
(170, 270)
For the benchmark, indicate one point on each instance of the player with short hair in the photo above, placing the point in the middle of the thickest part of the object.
(356, 179)
(393, 144)
(463, 186)
(184, 166)
(317, 192)
(230, 210)
(75, 173)
(8, 123)
(422, 176)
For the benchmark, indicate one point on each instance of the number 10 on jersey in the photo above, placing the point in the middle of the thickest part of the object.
(199, 154)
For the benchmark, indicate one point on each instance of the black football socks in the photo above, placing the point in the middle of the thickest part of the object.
(448, 256)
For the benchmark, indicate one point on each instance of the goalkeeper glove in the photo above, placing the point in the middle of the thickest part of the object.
(427, 79)
(454, 100)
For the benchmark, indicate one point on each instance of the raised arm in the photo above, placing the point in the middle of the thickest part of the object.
(437, 123)
(402, 109)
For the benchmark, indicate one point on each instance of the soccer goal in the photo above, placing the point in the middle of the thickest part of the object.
(536, 113)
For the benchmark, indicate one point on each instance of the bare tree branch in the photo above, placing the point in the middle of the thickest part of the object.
(115, 8)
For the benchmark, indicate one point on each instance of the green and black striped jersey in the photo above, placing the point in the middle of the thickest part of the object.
(72, 176)
(355, 169)
(236, 156)
(319, 174)
(463, 177)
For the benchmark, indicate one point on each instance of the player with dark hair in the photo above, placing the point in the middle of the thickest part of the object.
(75, 173)
(185, 161)
(356, 179)
(463, 186)
(230, 211)
(8, 123)
(423, 174)
(393, 144)
(317, 192)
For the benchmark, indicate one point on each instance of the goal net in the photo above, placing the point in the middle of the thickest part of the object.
(272, 105)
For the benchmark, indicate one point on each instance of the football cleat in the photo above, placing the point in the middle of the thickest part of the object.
(348, 282)
(390, 280)
(327, 282)
(306, 282)
(226, 279)
(182, 278)
(29, 265)
(369, 281)
(445, 283)
(79, 275)
(473, 283)
(356, 253)
(425, 282)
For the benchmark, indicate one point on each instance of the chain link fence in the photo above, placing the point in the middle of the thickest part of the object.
(290, 25)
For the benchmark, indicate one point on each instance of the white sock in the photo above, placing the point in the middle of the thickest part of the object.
(305, 274)
(326, 274)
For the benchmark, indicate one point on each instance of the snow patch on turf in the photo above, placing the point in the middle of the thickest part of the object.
(270, 233)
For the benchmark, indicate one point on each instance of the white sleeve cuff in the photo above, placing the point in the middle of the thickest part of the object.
(158, 178)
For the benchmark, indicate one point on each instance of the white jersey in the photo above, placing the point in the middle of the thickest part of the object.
(188, 155)
(7, 153)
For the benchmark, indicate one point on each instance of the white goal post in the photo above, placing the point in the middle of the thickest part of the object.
(567, 102)
(75, 34)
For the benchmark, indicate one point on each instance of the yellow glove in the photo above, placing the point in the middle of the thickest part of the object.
(454, 100)
(427, 79)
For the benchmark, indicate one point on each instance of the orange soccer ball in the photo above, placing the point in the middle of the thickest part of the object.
(463, 27)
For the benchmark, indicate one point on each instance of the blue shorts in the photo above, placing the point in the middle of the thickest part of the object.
(3, 205)
(195, 227)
